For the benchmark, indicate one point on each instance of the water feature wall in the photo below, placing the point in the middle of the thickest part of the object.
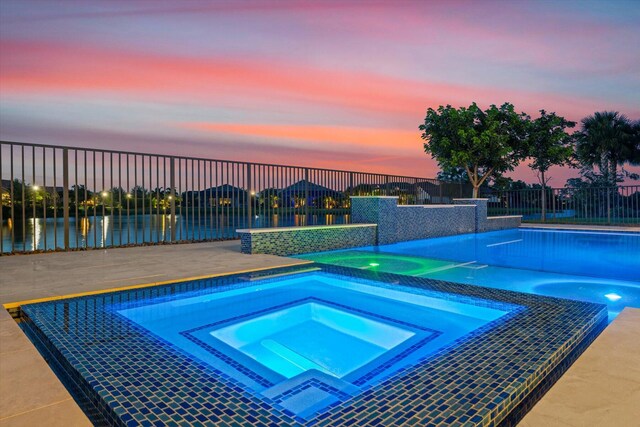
(399, 223)
(285, 241)
(378, 220)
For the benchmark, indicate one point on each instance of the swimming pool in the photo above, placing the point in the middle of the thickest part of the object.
(600, 267)
(309, 345)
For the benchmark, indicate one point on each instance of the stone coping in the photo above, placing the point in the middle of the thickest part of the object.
(504, 216)
(578, 227)
(300, 228)
(436, 206)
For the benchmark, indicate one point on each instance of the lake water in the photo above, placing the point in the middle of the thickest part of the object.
(114, 230)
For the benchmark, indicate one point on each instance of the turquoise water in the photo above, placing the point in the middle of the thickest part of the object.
(331, 329)
(596, 267)
(312, 336)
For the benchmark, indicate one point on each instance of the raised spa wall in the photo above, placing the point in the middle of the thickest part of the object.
(377, 220)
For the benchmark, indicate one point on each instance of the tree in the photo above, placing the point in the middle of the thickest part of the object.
(453, 175)
(549, 145)
(484, 143)
(607, 140)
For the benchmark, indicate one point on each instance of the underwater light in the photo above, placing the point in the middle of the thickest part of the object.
(612, 297)
(374, 264)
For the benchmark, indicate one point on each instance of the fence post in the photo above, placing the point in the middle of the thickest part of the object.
(609, 206)
(248, 196)
(172, 202)
(65, 195)
(2, 204)
(306, 195)
(351, 183)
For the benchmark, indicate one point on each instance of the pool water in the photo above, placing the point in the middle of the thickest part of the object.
(587, 266)
(322, 329)
(312, 336)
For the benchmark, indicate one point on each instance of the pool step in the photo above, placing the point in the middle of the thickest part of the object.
(472, 265)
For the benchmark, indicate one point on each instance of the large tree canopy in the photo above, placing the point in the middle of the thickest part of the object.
(484, 143)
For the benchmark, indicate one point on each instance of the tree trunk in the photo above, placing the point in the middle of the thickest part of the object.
(475, 191)
(613, 171)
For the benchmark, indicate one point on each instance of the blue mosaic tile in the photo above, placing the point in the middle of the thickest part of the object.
(298, 240)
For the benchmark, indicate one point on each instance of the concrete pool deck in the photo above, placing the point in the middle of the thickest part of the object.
(586, 227)
(602, 387)
(605, 384)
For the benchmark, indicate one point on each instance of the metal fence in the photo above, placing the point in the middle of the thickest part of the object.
(62, 198)
(619, 205)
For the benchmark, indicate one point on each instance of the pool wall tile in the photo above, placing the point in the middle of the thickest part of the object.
(399, 223)
(298, 240)
(489, 223)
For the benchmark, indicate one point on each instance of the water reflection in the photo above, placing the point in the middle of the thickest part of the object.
(85, 226)
(116, 230)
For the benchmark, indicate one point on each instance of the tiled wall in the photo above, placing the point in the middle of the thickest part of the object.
(298, 240)
(491, 223)
(377, 220)
(480, 211)
(401, 223)
(423, 222)
(502, 222)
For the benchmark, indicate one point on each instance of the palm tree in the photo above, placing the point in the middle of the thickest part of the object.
(607, 141)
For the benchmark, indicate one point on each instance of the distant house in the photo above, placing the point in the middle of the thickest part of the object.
(422, 192)
(5, 200)
(367, 190)
(428, 192)
(221, 196)
(308, 193)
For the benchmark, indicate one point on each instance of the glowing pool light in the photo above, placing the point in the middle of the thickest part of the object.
(612, 297)
(374, 264)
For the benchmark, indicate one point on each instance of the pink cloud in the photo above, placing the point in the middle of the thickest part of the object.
(58, 68)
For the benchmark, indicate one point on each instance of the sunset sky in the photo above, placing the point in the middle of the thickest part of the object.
(338, 84)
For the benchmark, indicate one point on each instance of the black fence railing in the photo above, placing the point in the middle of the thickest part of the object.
(63, 198)
(616, 205)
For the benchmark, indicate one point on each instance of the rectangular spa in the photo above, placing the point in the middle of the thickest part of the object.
(336, 331)
(317, 345)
